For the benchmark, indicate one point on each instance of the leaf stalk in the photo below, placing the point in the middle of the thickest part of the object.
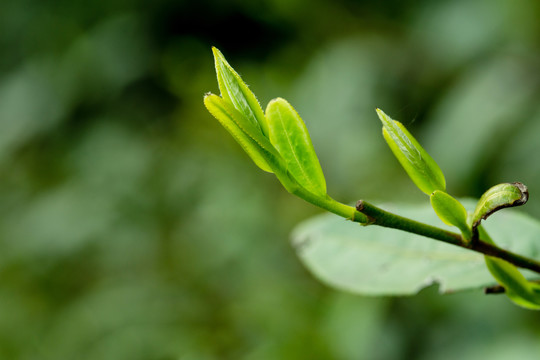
(387, 219)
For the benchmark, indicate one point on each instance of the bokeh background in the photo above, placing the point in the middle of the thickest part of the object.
(133, 227)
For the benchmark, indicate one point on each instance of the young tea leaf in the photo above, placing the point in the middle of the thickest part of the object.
(498, 197)
(289, 135)
(420, 167)
(451, 212)
(234, 90)
(247, 135)
(518, 289)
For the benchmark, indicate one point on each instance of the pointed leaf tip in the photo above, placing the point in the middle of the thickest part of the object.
(382, 115)
(420, 167)
(234, 90)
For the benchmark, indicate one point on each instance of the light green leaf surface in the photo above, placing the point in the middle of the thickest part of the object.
(289, 135)
(234, 90)
(247, 135)
(450, 211)
(498, 197)
(420, 167)
(518, 289)
(374, 260)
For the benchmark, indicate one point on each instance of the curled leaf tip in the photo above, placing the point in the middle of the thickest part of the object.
(499, 197)
(360, 205)
(496, 198)
(524, 193)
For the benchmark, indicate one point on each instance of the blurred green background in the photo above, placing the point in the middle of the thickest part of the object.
(133, 226)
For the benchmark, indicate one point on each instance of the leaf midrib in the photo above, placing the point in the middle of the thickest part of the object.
(292, 149)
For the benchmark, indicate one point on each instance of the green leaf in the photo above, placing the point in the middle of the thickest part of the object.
(498, 197)
(247, 135)
(289, 135)
(374, 260)
(420, 167)
(451, 212)
(518, 289)
(234, 90)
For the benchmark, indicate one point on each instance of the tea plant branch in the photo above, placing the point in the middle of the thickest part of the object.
(514, 259)
(369, 214)
(331, 205)
(387, 219)
(278, 142)
(494, 290)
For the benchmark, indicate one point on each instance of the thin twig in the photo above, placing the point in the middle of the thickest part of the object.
(384, 218)
(499, 289)
(494, 290)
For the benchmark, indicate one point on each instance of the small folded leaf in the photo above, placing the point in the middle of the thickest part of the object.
(289, 135)
(234, 90)
(420, 167)
(250, 138)
(517, 287)
(451, 212)
(498, 197)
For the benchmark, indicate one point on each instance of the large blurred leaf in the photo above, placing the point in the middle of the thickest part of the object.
(379, 261)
